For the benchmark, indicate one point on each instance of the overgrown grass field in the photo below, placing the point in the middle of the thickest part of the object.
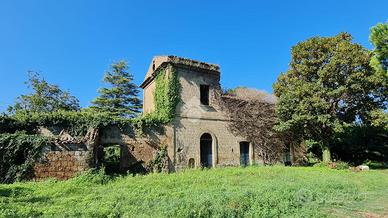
(228, 192)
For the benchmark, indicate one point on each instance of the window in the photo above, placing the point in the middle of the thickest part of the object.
(204, 89)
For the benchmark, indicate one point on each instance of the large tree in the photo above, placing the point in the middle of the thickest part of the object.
(45, 97)
(328, 85)
(121, 97)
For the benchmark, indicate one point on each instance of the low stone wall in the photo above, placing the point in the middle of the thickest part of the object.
(61, 164)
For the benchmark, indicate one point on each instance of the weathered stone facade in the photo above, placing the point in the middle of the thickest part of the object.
(194, 119)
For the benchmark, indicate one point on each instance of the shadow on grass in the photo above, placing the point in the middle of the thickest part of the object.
(14, 192)
(21, 194)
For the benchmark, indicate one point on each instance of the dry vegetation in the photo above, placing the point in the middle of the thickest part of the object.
(252, 115)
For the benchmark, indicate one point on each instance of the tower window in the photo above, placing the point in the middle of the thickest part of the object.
(204, 89)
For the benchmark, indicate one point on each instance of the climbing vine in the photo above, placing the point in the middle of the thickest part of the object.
(160, 161)
(75, 123)
(18, 152)
(166, 98)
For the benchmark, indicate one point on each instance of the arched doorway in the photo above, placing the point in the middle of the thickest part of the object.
(206, 150)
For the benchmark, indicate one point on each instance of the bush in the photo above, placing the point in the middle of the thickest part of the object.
(340, 165)
(92, 176)
(320, 164)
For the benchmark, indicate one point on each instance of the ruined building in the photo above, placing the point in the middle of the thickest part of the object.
(197, 136)
(200, 136)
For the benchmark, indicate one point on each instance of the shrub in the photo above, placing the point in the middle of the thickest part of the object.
(340, 165)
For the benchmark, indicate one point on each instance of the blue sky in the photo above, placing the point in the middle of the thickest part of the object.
(73, 42)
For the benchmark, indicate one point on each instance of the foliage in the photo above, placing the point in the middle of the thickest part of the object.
(92, 177)
(227, 192)
(76, 123)
(121, 99)
(166, 98)
(379, 38)
(45, 97)
(111, 161)
(361, 142)
(340, 165)
(160, 161)
(380, 119)
(328, 86)
(18, 153)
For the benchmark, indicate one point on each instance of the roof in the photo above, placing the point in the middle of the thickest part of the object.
(159, 62)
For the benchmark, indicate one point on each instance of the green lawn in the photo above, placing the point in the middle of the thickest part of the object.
(229, 192)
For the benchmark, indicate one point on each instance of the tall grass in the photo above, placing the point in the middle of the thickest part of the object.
(229, 192)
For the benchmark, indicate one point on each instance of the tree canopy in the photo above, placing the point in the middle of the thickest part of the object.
(329, 85)
(121, 98)
(45, 97)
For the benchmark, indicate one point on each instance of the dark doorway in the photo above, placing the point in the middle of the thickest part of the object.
(206, 150)
(109, 156)
(244, 153)
(287, 155)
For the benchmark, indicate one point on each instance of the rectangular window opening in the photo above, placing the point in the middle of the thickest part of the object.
(204, 89)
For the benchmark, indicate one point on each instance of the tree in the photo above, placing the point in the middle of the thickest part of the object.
(379, 38)
(45, 97)
(328, 86)
(121, 98)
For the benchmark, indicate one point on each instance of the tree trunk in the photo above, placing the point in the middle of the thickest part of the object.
(326, 155)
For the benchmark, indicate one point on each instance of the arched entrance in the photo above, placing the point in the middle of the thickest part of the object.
(206, 150)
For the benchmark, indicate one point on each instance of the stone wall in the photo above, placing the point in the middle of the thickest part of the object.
(137, 151)
(61, 164)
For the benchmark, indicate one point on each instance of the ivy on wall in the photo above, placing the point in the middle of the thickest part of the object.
(18, 153)
(166, 98)
(75, 123)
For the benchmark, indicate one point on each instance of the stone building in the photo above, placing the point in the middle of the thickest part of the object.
(198, 135)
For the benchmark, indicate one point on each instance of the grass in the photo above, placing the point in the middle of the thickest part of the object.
(228, 192)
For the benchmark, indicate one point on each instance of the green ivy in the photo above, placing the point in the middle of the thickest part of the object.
(166, 98)
(75, 123)
(18, 153)
(158, 163)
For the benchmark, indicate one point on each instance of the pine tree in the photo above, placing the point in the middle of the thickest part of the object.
(121, 98)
